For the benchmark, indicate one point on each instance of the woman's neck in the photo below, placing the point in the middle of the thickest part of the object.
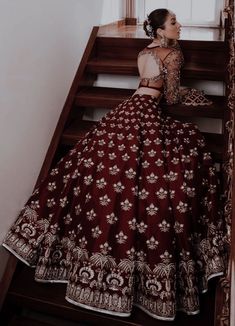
(170, 43)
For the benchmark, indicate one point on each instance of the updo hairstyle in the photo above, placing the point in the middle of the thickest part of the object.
(156, 19)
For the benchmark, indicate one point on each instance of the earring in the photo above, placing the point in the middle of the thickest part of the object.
(163, 42)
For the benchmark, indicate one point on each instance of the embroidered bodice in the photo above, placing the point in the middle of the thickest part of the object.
(159, 68)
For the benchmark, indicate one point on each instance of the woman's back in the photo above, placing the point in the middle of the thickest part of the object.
(159, 70)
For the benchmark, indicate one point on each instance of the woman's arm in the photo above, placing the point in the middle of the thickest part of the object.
(172, 64)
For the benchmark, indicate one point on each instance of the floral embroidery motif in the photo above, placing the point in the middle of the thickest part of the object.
(110, 216)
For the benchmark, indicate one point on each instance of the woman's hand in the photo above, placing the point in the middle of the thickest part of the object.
(184, 91)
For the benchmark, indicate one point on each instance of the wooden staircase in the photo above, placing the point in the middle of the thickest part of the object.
(205, 60)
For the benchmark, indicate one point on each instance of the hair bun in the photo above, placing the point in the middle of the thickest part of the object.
(148, 28)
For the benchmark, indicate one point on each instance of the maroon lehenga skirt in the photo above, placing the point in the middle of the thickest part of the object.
(128, 217)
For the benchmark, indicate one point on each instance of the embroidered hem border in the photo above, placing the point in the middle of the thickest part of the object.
(68, 296)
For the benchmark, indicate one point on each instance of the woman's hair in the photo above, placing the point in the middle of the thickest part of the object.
(156, 19)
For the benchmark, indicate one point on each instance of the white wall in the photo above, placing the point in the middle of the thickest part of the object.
(112, 10)
(41, 45)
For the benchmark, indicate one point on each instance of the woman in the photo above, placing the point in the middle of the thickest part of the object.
(130, 215)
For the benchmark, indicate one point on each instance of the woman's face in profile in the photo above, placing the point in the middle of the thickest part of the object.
(172, 27)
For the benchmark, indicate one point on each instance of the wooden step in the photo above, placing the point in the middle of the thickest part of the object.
(100, 65)
(25, 321)
(76, 131)
(105, 97)
(209, 51)
(204, 59)
(49, 298)
(102, 97)
(216, 110)
(207, 34)
(79, 128)
(203, 72)
(33, 318)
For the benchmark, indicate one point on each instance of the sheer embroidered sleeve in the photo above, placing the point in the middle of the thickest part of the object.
(172, 64)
